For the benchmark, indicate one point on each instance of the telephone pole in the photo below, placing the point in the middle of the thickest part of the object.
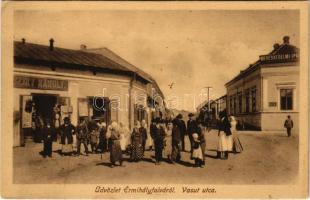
(208, 87)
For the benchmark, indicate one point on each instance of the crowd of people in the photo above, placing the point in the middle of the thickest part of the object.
(165, 137)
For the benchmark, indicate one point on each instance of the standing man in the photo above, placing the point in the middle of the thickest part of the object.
(176, 139)
(103, 144)
(82, 136)
(48, 137)
(143, 132)
(182, 128)
(192, 127)
(288, 124)
(66, 137)
(158, 135)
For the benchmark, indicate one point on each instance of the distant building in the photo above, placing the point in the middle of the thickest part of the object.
(216, 106)
(262, 95)
(76, 84)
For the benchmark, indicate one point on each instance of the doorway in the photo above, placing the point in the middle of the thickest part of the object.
(44, 104)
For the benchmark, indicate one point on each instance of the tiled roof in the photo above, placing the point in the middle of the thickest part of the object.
(116, 58)
(36, 52)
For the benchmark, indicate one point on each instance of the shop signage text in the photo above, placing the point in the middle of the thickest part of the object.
(40, 83)
(279, 57)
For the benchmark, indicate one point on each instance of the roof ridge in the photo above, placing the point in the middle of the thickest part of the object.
(55, 47)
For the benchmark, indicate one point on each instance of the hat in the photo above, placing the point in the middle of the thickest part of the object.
(190, 114)
(179, 116)
(157, 120)
(66, 119)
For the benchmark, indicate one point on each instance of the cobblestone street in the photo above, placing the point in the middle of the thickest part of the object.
(266, 159)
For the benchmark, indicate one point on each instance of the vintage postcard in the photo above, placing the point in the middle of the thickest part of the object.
(154, 100)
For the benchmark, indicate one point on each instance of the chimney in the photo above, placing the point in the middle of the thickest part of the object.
(276, 46)
(286, 39)
(23, 40)
(51, 44)
(83, 47)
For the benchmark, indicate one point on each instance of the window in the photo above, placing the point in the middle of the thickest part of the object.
(235, 105)
(286, 99)
(139, 113)
(253, 91)
(247, 101)
(114, 108)
(240, 102)
(231, 105)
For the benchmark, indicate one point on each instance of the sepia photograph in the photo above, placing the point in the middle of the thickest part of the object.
(176, 100)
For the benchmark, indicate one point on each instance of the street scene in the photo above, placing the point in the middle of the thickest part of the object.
(156, 97)
(263, 161)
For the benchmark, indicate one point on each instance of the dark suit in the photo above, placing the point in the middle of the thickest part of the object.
(176, 141)
(158, 135)
(182, 127)
(143, 132)
(48, 137)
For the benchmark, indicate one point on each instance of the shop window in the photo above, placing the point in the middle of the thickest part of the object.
(286, 98)
(247, 101)
(253, 95)
(94, 108)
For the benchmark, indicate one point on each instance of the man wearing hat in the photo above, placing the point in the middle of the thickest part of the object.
(66, 131)
(192, 127)
(158, 135)
(48, 137)
(182, 128)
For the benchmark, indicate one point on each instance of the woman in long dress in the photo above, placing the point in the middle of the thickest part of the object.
(115, 146)
(225, 137)
(236, 146)
(168, 141)
(124, 132)
(136, 143)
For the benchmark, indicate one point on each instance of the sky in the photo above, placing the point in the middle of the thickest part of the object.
(191, 48)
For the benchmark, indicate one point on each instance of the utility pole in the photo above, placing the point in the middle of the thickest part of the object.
(208, 87)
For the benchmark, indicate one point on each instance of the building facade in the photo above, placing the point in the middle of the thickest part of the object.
(264, 94)
(75, 84)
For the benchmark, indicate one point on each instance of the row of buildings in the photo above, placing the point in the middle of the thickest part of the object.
(55, 83)
(265, 93)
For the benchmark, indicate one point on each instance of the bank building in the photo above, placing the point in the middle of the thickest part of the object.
(264, 94)
(55, 83)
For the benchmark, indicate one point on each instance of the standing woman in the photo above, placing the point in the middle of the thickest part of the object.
(115, 146)
(201, 137)
(66, 131)
(236, 147)
(136, 143)
(168, 142)
(124, 132)
(225, 138)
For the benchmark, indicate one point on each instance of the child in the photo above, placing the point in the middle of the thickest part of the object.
(197, 152)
